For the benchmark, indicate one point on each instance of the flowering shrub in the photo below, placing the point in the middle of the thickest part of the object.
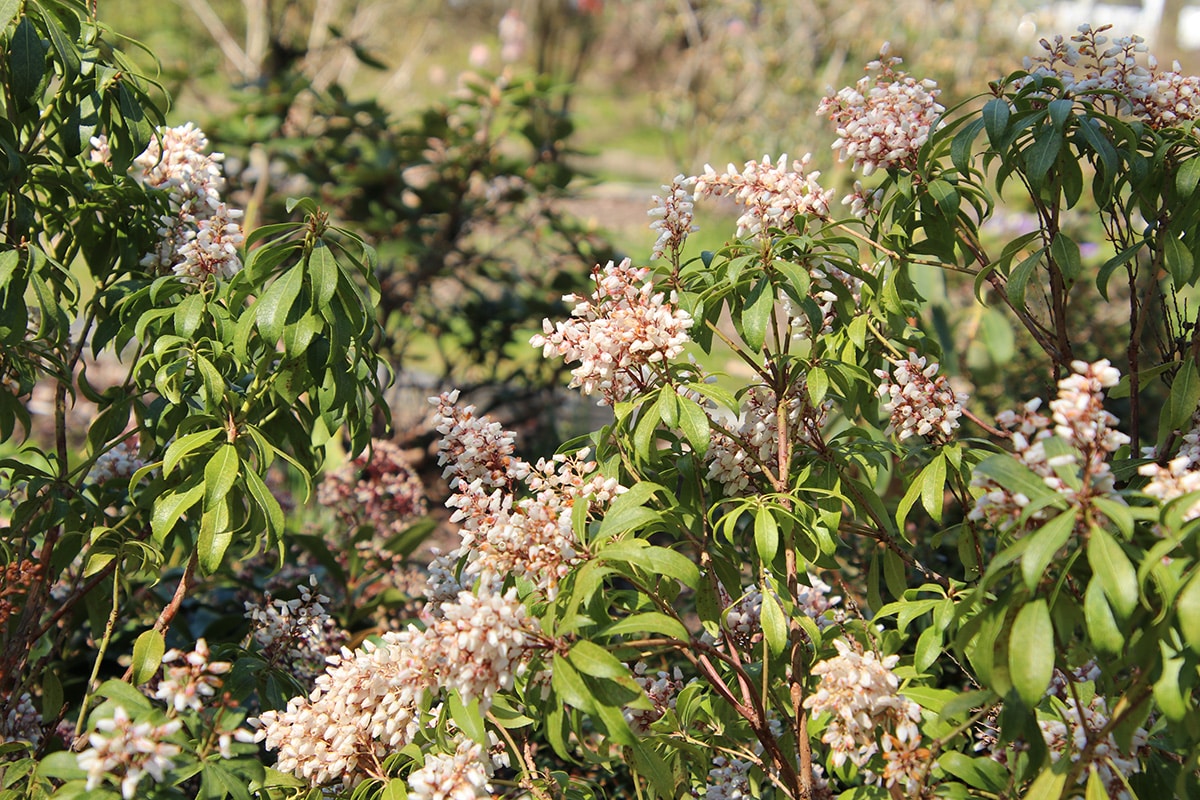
(653, 610)
(1018, 598)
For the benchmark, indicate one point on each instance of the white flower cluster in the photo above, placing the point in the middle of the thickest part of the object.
(773, 194)
(367, 703)
(298, 634)
(884, 120)
(117, 463)
(1079, 419)
(617, 334)
(1161, 98)
(735, 457)
(474, 448)
(1181, 475)
(193, 680)
(462, 775)
(742, 619)
(126, 750)
(201, 236)
(674, 208)
(920, 402)
(1079, 725)
(661, 687)
(860, 693)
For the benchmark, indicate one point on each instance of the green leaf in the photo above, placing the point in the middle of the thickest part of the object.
(1031, 651)
(1170, 697)
(8, 11)
(181, 447)
(649, 622)
(148, 651)
(62, 765)
(592, 659)
(1096, 790)
(995, 120)
(1187, 177)
(694, 423)
(1018, 279)
(1102, 626)
(272, 309)
(220, 474)
(628, 512)
(1187, 610)
(668, 406)
(818, 385)
(168, 508)
(1010, 473)
(188, 315)
(657, 560)
(395, 789)
(766, 534)
(1177, 257)
(1065, 253)
(26, 61)
(266, 501)
(323, 272)
(774, 623)
(652, 765)
(214, 539)
(756, 314)
(933, 487)
(1043, 544)
(570, 687)
(1116, 574)
(468, 718)
(1041, 155)
(978, 773)
(1050, 783)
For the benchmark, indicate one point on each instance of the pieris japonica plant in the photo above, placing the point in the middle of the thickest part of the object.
(157, 363)
(839, 575)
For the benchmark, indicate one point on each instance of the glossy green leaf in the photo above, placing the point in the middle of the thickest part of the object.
(694, 423)
(185, 445)
(756, 314)
(26, 61)
(591, 659)
(272, 309)
(817, 380)
(1180, 263)
(168, 508)
(933, 487)
(649, 622)
(1031, 651)
(568, 684)
(1112, 568)
(996, 113)
(323, 272)
(766, 534)
(468, 718)
(1187, 609)
(220, 474)
(1065, 253)
(1102, 626)
(1044, 543)
(148, 651)
(774, 624)
(978, 773)
(1170, 697)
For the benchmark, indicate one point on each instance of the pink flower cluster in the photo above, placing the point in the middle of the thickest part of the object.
(531, 537)
(1079, 420)
(619, 335)
(378, 488)
(919, 401)
(883, 121)
(773, 194)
